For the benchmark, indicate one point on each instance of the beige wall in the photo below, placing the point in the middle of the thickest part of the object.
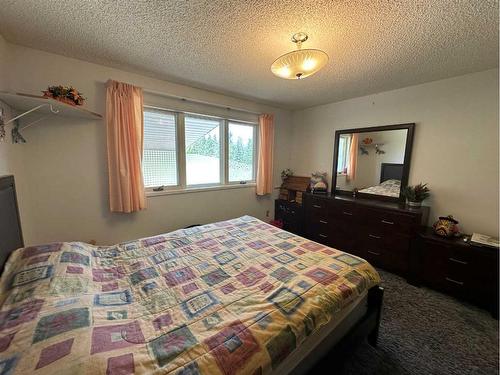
(62, 178)
(66, 168)
(455, 149)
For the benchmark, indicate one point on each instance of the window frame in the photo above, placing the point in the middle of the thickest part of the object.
(226, 144)
(345, 151)
(177, 151)
(224, 183)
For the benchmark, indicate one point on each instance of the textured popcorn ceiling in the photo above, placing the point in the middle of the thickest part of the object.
(228, 46)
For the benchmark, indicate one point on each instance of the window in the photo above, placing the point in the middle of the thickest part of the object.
(202, 150)
(343, 160)
(241, 152)
(159, 163)
(183, 151)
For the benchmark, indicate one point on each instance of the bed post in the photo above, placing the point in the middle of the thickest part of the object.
(375, 299)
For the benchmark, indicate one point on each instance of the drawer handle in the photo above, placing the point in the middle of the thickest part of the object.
(373, 236)
(323, 222)
(373, 253)
(323, 235)
(457, 261)
(347, 213)
(316, 206)
(292, 212)
(455, 281)
(388, 222)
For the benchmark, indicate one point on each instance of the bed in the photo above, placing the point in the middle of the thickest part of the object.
(390, 181)
(233, 297)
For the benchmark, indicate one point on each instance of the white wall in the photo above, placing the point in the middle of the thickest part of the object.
(66, 166)
(455, 149)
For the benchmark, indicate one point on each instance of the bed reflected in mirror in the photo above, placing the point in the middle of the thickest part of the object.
(373, 161)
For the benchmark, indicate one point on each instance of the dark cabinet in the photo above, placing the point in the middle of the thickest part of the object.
(380, 232)
(456, 267)
(291, 214)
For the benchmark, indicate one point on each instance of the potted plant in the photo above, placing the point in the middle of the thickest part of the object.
(416, 194)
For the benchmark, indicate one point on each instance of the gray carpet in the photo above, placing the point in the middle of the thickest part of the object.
(426, 332)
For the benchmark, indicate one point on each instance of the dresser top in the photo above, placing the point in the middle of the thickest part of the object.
(428, 234)
(396, 206)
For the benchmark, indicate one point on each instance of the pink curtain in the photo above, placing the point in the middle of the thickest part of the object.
(125, 129)
(265, 156)
(353, 158)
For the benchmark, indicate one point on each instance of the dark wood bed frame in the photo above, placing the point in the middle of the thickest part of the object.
(328, 350)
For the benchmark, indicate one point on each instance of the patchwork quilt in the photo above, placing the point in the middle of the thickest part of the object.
(234, 297)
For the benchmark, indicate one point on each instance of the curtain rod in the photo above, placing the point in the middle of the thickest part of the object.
(186, 99)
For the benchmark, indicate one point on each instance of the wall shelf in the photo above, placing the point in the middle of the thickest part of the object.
(26, 104)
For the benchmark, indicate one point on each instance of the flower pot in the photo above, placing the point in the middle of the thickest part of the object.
(412, 204)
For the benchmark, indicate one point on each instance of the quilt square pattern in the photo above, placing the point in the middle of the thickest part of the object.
(284, 258)
(113, 298)
(167, 347)
(285, 245)
(54, 352)
(229, 297)
(286, 300)
(64, 321)
(162, 321)
(196, 305)
(232, 347)
(225, 257)
(20, 314)
(72, 257)
(322, 276)
(114, 337)
(38, 259)
(41, 249)
(281, 345)
(250, 276)
(147, 273)
(179, 276)
(348, 259)
(283, 274)
(164, 256)
(31, 275)
(215, 277)
(121, 365)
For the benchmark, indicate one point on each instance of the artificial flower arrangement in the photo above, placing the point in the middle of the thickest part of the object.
(65, 94)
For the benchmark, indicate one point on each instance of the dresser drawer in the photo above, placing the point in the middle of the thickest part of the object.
(387, 221)
(390, 252)
(343, 211)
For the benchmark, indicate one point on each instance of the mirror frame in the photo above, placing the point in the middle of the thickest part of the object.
(406, 163)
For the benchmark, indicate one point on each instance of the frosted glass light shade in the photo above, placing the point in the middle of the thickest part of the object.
(299, 64)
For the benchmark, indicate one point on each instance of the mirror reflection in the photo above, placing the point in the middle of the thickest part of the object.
(372, 162)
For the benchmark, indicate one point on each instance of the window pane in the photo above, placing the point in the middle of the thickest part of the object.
(202, 150)
(241, 152)
(159, 164)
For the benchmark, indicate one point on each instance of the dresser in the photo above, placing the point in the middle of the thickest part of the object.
(380, 232)
(457, 268)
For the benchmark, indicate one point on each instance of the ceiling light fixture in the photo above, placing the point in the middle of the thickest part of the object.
(300, 63)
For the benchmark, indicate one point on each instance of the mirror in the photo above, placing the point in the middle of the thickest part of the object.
(373, 161)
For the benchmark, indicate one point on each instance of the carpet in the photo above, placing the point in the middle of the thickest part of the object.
(426, 332)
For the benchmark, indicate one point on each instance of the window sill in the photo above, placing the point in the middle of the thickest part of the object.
(150, 193)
